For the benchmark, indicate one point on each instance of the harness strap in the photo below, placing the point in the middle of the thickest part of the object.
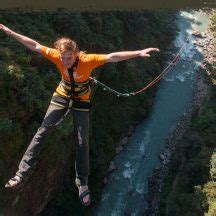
(67, 93)
(78, 87)
(71, 74)
(74, 89)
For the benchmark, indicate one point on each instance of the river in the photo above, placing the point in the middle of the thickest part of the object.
(127, 186)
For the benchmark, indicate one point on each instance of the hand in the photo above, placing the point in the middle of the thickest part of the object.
(5, 29)
(145, 52)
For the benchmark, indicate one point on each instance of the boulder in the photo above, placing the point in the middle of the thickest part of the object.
(119, 149)
(124, 141)
(161, 157)
(198, 34)
(112, 167)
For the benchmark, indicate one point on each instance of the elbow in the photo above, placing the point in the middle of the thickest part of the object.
(110, 58)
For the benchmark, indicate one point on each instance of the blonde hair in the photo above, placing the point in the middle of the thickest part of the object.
(65, 44)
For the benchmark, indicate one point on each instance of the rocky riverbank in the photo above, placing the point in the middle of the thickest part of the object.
(204, 41)
(119, 148)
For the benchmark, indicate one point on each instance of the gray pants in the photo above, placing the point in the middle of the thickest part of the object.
(53, 117)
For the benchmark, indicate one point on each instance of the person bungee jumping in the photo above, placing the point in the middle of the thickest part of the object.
(71, 96)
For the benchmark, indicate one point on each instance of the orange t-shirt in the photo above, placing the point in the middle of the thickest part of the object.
(87, 63)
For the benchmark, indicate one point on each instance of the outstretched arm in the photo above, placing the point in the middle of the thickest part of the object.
(28, 42)
(120, 56)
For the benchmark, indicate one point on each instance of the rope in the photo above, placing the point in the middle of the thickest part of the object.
(158, 78)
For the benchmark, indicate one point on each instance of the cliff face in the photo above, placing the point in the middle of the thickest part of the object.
(27, 82)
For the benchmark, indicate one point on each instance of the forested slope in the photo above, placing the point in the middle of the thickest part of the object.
(27, 81)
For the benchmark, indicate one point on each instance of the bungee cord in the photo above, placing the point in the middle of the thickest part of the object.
(158, 78)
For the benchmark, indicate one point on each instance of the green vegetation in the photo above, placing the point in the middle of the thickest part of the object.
(190, 186)
(27, 82)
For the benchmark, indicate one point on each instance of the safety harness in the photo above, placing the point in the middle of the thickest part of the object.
(73, 90)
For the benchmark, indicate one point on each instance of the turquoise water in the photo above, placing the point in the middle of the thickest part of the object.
(123, 195)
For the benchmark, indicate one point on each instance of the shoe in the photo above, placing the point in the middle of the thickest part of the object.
(84, 194)
(19, 182)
